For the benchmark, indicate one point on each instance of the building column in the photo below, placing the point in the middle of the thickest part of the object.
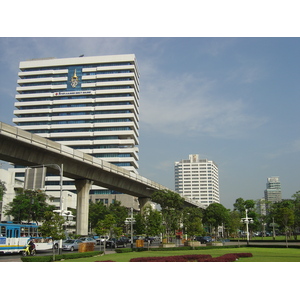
(143, 202)
(83, 187)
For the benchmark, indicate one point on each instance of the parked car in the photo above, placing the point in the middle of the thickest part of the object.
(71, 245)
(115, 243)
(101, 240)
(149, 238)
(56, 243)
(136, 238)
(204, 239)
(125, 239)
(88, 239)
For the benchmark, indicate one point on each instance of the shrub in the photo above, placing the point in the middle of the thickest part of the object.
(48, 258)
(123, 250)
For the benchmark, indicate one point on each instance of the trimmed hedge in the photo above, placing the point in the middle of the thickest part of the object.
(123, 250)
(49, 258)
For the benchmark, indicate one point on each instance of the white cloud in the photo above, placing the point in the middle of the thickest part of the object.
(290, 148)
(189, 105)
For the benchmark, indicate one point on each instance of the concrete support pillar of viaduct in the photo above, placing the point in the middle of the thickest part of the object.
(83, 187)
(143, 202)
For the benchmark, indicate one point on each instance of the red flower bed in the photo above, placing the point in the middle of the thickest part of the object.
(229, 257)
(177, 258)
(192, 258)
(244, 254)
(189, 258)
(224, 258)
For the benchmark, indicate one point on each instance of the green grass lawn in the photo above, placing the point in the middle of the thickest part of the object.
(259, 254)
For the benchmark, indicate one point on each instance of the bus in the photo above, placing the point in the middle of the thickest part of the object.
(14, 237)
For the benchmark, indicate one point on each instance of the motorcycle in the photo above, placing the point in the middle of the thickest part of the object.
(27, 252)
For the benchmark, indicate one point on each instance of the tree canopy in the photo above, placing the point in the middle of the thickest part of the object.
(216, 215)
(171, 207)
(29, 205)
(53, 226)
(192, 221)
(107, 219)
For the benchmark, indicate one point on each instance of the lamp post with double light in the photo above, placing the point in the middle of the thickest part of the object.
(246, 221)
(130, 221)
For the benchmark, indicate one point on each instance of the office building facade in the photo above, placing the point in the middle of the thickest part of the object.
(198, 180)
(86, 103)
(273, 190)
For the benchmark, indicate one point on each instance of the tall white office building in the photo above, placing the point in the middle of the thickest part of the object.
(273, 190)
(198, 180)
(87, 103)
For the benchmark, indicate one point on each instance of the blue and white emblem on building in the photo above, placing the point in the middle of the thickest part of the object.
(74, 80)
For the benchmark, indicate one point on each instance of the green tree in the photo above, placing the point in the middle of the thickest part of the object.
(250, 205)
(168, 199)
(234, 223)
(296, 202)
(119, 212)
(53, 226)
(152, 220)
(284, 216)
(29, 205)
(97, 212)
(239, 206)
(171, 207)
(192, 221)
(215, 215)
(139, 225)
(108, 226)
(2, 190)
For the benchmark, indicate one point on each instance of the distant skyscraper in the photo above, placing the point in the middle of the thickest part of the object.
(87, 103)
(198, 180)
(273, 190)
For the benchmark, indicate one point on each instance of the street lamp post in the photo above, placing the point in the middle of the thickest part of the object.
(247, 221)
(131, 221)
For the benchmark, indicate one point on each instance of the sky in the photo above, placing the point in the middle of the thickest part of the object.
(231, 98)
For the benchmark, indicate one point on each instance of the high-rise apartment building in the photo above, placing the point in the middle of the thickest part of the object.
(198, 180)
(273, 190)
(87, 103)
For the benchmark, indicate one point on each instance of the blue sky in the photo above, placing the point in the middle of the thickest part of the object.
(233, 100)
